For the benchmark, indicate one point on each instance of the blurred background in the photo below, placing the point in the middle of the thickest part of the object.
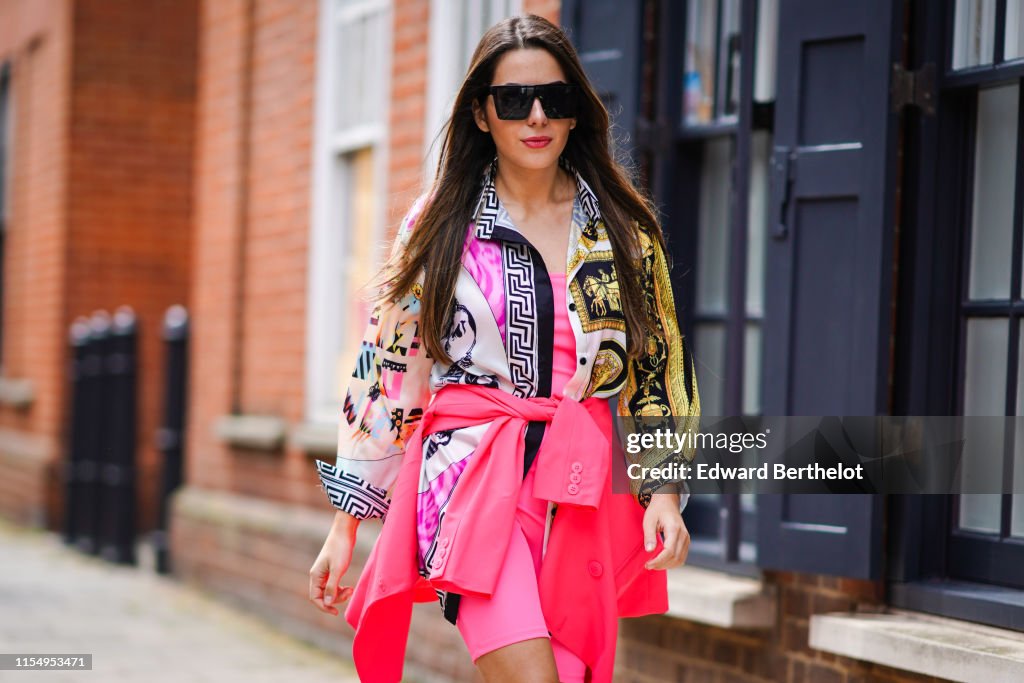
(193, 192)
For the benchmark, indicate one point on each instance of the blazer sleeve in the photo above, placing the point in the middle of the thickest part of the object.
(384, 401)
(661, 385)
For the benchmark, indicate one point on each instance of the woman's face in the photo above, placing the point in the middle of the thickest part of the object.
(535, 142)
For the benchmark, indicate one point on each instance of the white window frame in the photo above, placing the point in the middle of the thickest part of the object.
(455, 28)
(327, 286)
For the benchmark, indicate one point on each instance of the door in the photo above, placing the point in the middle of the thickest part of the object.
(829, 261)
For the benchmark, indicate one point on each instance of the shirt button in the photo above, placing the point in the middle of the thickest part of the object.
(583, 361)
(577, 466)
(575, 478)
(595, 568)
(573, 489)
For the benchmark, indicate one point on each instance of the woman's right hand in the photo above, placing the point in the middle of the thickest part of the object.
(332, 563)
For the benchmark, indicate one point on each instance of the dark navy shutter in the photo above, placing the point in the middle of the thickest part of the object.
(607, 34)
(829, 257)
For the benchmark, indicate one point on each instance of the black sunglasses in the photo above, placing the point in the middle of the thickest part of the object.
(559, 100)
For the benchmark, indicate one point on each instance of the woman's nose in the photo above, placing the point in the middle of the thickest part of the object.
(537, 115)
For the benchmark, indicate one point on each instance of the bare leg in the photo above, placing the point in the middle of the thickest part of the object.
(528, 661)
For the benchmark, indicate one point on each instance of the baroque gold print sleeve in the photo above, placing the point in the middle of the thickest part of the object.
(661, 385)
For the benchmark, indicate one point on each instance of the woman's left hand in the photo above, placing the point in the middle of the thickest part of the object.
(662, 515)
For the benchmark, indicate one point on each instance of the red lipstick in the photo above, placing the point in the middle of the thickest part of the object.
(537, 142)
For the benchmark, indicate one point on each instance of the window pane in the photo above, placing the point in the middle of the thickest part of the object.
(713, 229)
(709, 357)
(984, 394)
(767, 40)
(985, 371)
(752, 370)
(973, 33)
(729, 60)
(1014, 47)
(1017, 512)
(357, 260)
(992, 213)
(360, 60)
(698, 87)
(980, 512)
(758, 221)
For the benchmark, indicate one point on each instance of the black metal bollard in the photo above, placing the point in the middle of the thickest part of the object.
(117, 503)
(170, 436)
(93, 432)
(74, 526)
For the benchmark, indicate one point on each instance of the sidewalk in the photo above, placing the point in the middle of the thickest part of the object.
(138, 626)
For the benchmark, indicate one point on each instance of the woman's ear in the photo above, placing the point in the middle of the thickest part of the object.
(572, 124)
(480, 117)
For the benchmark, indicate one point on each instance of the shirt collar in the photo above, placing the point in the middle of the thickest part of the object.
(490, 212)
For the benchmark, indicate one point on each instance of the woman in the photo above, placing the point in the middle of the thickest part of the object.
(523, 292)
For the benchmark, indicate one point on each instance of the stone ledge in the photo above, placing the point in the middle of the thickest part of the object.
(26, 446)
(17, 393)
(718, 599)
(226, 509)
(257, 432)
(934, 646)
(315, 438)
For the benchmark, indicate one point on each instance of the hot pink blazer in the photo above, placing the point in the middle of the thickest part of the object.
(593, 568)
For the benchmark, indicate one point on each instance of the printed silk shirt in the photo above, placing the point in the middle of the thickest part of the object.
(500, 335)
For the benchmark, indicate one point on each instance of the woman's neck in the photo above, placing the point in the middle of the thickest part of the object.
(532, 188)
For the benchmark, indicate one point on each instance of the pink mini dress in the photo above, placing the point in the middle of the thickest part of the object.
(513, 612)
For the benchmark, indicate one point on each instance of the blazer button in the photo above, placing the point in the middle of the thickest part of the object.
(573, 489)
(595, 568)
(444, 542)
(577, 466)
(575, 478)
(583, 361)
(572, 306)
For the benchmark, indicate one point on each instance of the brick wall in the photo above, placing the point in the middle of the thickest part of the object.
(101, 164)
(252, 189)
(658, 649)
(408, 106)
(549, 9)
(129, 175)
(35, 40)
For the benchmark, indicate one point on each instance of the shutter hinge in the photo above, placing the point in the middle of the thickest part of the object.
(913, 88)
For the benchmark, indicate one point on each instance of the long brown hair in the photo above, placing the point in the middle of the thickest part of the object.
(437, 242)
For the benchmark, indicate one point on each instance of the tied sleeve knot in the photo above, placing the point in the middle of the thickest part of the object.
(573, 459)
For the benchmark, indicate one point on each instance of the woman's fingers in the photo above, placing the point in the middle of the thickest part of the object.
(676, 543)
(318, 575)
(650, 525)
(325, 575)
(324, 587)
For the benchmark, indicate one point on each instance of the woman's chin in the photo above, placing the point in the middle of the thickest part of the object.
(534, 159)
